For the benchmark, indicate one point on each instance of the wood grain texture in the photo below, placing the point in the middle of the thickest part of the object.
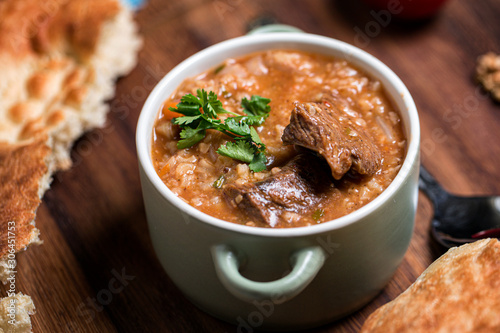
(92, 220)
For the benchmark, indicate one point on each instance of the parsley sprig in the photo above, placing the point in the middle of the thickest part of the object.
(201, 112)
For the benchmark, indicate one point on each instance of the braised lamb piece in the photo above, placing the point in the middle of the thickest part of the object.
(330, 130)
(332, 144)
(297, 188)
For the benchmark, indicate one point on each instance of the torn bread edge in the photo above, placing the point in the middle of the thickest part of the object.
(120, 33)
(15, 312)
(29, 168)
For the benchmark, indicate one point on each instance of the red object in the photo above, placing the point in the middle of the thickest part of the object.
(491, 233)
(408, 9)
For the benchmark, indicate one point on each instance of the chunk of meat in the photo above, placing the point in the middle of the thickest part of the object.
(297, 188)
(329, 130)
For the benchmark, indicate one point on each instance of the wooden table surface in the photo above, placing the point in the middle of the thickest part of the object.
(97, 272)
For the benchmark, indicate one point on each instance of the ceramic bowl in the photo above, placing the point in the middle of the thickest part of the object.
(296, 278)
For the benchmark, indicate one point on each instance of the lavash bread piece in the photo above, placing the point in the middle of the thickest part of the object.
(24, 177)
(459, 292)
(23, 306)
(58, 64)
(59, 61)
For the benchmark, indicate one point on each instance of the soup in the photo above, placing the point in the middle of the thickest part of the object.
(330, 143)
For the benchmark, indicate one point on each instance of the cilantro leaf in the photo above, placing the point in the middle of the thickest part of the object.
(213, 106)
(237, 126)
(239, 150)
(202, 96)
(249, 120)
(190, 99)
(256, 106)
(186, 109)
(258, 162)
(190, 136)
(254, 120)
(213, 121)
(189, 106)
(255, 136)
(183, 121)
(200, 113)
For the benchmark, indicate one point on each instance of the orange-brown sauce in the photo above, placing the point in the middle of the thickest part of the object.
(285, 77)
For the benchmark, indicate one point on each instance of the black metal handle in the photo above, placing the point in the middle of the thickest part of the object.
(429, 185)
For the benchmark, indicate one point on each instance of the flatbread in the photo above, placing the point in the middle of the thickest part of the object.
(23, 306)
(24, 177)
(58, 62)
(459, 292)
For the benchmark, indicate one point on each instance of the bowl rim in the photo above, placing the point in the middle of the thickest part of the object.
(371, 65)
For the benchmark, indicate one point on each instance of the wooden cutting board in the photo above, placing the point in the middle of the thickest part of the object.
(97, 272)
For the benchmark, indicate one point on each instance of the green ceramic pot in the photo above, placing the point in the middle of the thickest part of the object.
(280, 279)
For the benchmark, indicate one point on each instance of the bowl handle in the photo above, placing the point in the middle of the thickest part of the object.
(305, 262)
(273, 28)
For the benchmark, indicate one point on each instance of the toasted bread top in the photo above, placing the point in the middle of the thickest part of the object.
(58, 61)
(22, 172)
(33, 27)
(459, 292)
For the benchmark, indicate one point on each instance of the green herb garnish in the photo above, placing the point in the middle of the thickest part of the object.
(318, 214)
(201, 113)
(219, 68)
(219, 182)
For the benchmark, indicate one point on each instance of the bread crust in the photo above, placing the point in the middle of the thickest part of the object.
(33, 27)
(459, 292)
(24, 176)
(24, 308)
(59, 60)
(22, 169)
